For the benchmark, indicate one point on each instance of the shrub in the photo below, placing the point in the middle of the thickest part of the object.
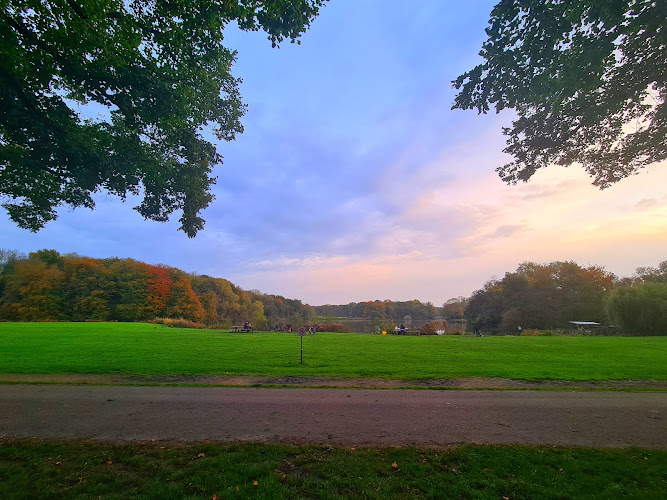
(428, 329)
(177, 323)
(433, 327)
(220, 326)
(529, 332)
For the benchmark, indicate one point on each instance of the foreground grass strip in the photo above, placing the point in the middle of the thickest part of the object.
(144, 349)
(33, 469)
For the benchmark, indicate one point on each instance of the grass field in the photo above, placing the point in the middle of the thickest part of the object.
(34, 470)
(144, 349)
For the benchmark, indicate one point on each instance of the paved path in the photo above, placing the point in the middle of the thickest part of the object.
(342, 417)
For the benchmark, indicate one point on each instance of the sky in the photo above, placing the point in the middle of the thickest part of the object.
(354, 180)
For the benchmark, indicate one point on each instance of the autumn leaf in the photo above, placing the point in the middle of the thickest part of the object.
(394, 465)
(215, 497)
(255, 483)
(237, 489)
(57, 463)
(109, 462)
(201, 455)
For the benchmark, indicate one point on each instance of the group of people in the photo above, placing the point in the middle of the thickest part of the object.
(247, 327)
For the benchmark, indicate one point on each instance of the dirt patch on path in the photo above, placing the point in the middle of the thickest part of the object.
(333, 382)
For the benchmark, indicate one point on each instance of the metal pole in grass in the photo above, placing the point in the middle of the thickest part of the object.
(302, 334)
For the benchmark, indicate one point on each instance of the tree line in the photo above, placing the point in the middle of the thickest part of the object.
(48, 286)
(381, 310)
(549, 296)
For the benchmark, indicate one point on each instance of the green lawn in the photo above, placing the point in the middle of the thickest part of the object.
(45, 470)
(144, 349)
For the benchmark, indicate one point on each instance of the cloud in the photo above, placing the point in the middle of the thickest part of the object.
(651, 203)
(543, 191)
(478, 243)
(284, 263)
(505, 231)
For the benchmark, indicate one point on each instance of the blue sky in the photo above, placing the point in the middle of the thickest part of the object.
(354, 180)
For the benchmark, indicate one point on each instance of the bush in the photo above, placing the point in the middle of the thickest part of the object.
(457, 331)
(528, 332)
(433, 327)
(219, 326)
(531, 332)
(177, 323)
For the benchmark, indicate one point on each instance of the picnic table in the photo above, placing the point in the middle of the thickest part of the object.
(241, 328)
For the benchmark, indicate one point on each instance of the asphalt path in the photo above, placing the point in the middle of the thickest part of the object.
(427, 418)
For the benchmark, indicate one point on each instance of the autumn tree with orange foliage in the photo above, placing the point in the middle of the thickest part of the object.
(33, 292)
(183, 302)
(159, 291)
(48, 286)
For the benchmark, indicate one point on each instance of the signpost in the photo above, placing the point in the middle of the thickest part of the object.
(302, 334)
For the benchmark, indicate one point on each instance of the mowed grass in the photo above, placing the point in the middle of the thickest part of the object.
(36, 470)
(145, 349)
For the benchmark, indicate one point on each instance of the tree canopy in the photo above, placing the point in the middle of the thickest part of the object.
(380, 309)
(541, 296)
(652, 274)
(48, 286)
(640, 309)
(157, 75)
(586, 78)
